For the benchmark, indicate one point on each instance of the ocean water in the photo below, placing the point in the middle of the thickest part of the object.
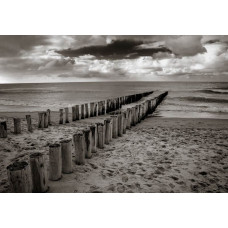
(185, 99)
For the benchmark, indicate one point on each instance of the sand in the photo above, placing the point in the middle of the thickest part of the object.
(157, 155)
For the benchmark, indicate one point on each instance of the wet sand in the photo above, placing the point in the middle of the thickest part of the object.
(157, 155)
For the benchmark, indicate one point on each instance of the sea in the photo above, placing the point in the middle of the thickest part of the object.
(185, 99)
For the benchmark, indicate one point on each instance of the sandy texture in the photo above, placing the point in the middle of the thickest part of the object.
(158, 155)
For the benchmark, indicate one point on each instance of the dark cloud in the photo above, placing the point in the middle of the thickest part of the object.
(16, 45)
(118, 49)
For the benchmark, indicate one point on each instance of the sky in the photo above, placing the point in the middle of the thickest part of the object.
(34, 59)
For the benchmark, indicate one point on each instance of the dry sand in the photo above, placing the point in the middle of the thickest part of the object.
(157, 155)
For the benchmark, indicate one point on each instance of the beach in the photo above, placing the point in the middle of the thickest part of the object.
(157, 155)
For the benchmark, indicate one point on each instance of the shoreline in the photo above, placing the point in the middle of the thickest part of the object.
(157, 155)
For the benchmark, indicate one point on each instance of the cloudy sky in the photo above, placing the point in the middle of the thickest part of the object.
(120, 58)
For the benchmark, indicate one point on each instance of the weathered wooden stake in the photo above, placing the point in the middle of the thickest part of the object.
(87, 134)
(114, 126)
(124, 121)
(3, 129)
(73, 113)
(100, 103)
(29, 122)
(79, 148)
(45, 120)
(93, 129)
(41, 120)
(17, 125)
(49, 116)
(77, 112)
(128, 118)
(61, 116)
(55, 162)
(66, 150)
(86, 110)
(19, 177)
(91, 109)
(38, 173)
(133, 116)
(82, 111)
(66, 115)
(101, 135)
(120, 125)
(108, 130)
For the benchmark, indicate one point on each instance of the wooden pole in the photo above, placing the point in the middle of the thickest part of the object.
(140, 112)
(73, 113)
(108, 130)
(19, 177)
(91, 109)
(66, 150)
(137, 114)
(45, 120)
(66, 115)
(3, 129)
(78, 139)
(55, 162)
(103, 108)
(124, 121)
(17, 125)
(100, 108)
(87, 134)
(150, 107)
(49, 116)
(29, 123)
(39, 173)
(41, 120)
(93, 129)
(133, 116)
(114, 126)
(128, 118)
(95, 109)
(61, 116)
(82, 111)
(86, 110)
(120, 125)
(77, 112)
(101, 135)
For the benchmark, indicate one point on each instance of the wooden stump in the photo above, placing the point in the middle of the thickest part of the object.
(133, 116)
(91, 109)
(101, 135)
(66, 150)
(93, 129)
(77, 112)
(120, 125)
(61, 116)
(41, 120)
(108, 130)
(39, 173)
(96, 110)
(45, 120)
(150, 107)
(140, 113)
(82, 111)
(17, 125)
(29, 123)
(19, 177)
(103, 108)
(100, 103)
(49, 116)
(87, 134)
(55, 162)
(124, 121)
(73, 113)
(86, 111)
(128, 118)
(3, 129)
(114, 126)
(66, 115)
(78, 139)
(136, 114)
